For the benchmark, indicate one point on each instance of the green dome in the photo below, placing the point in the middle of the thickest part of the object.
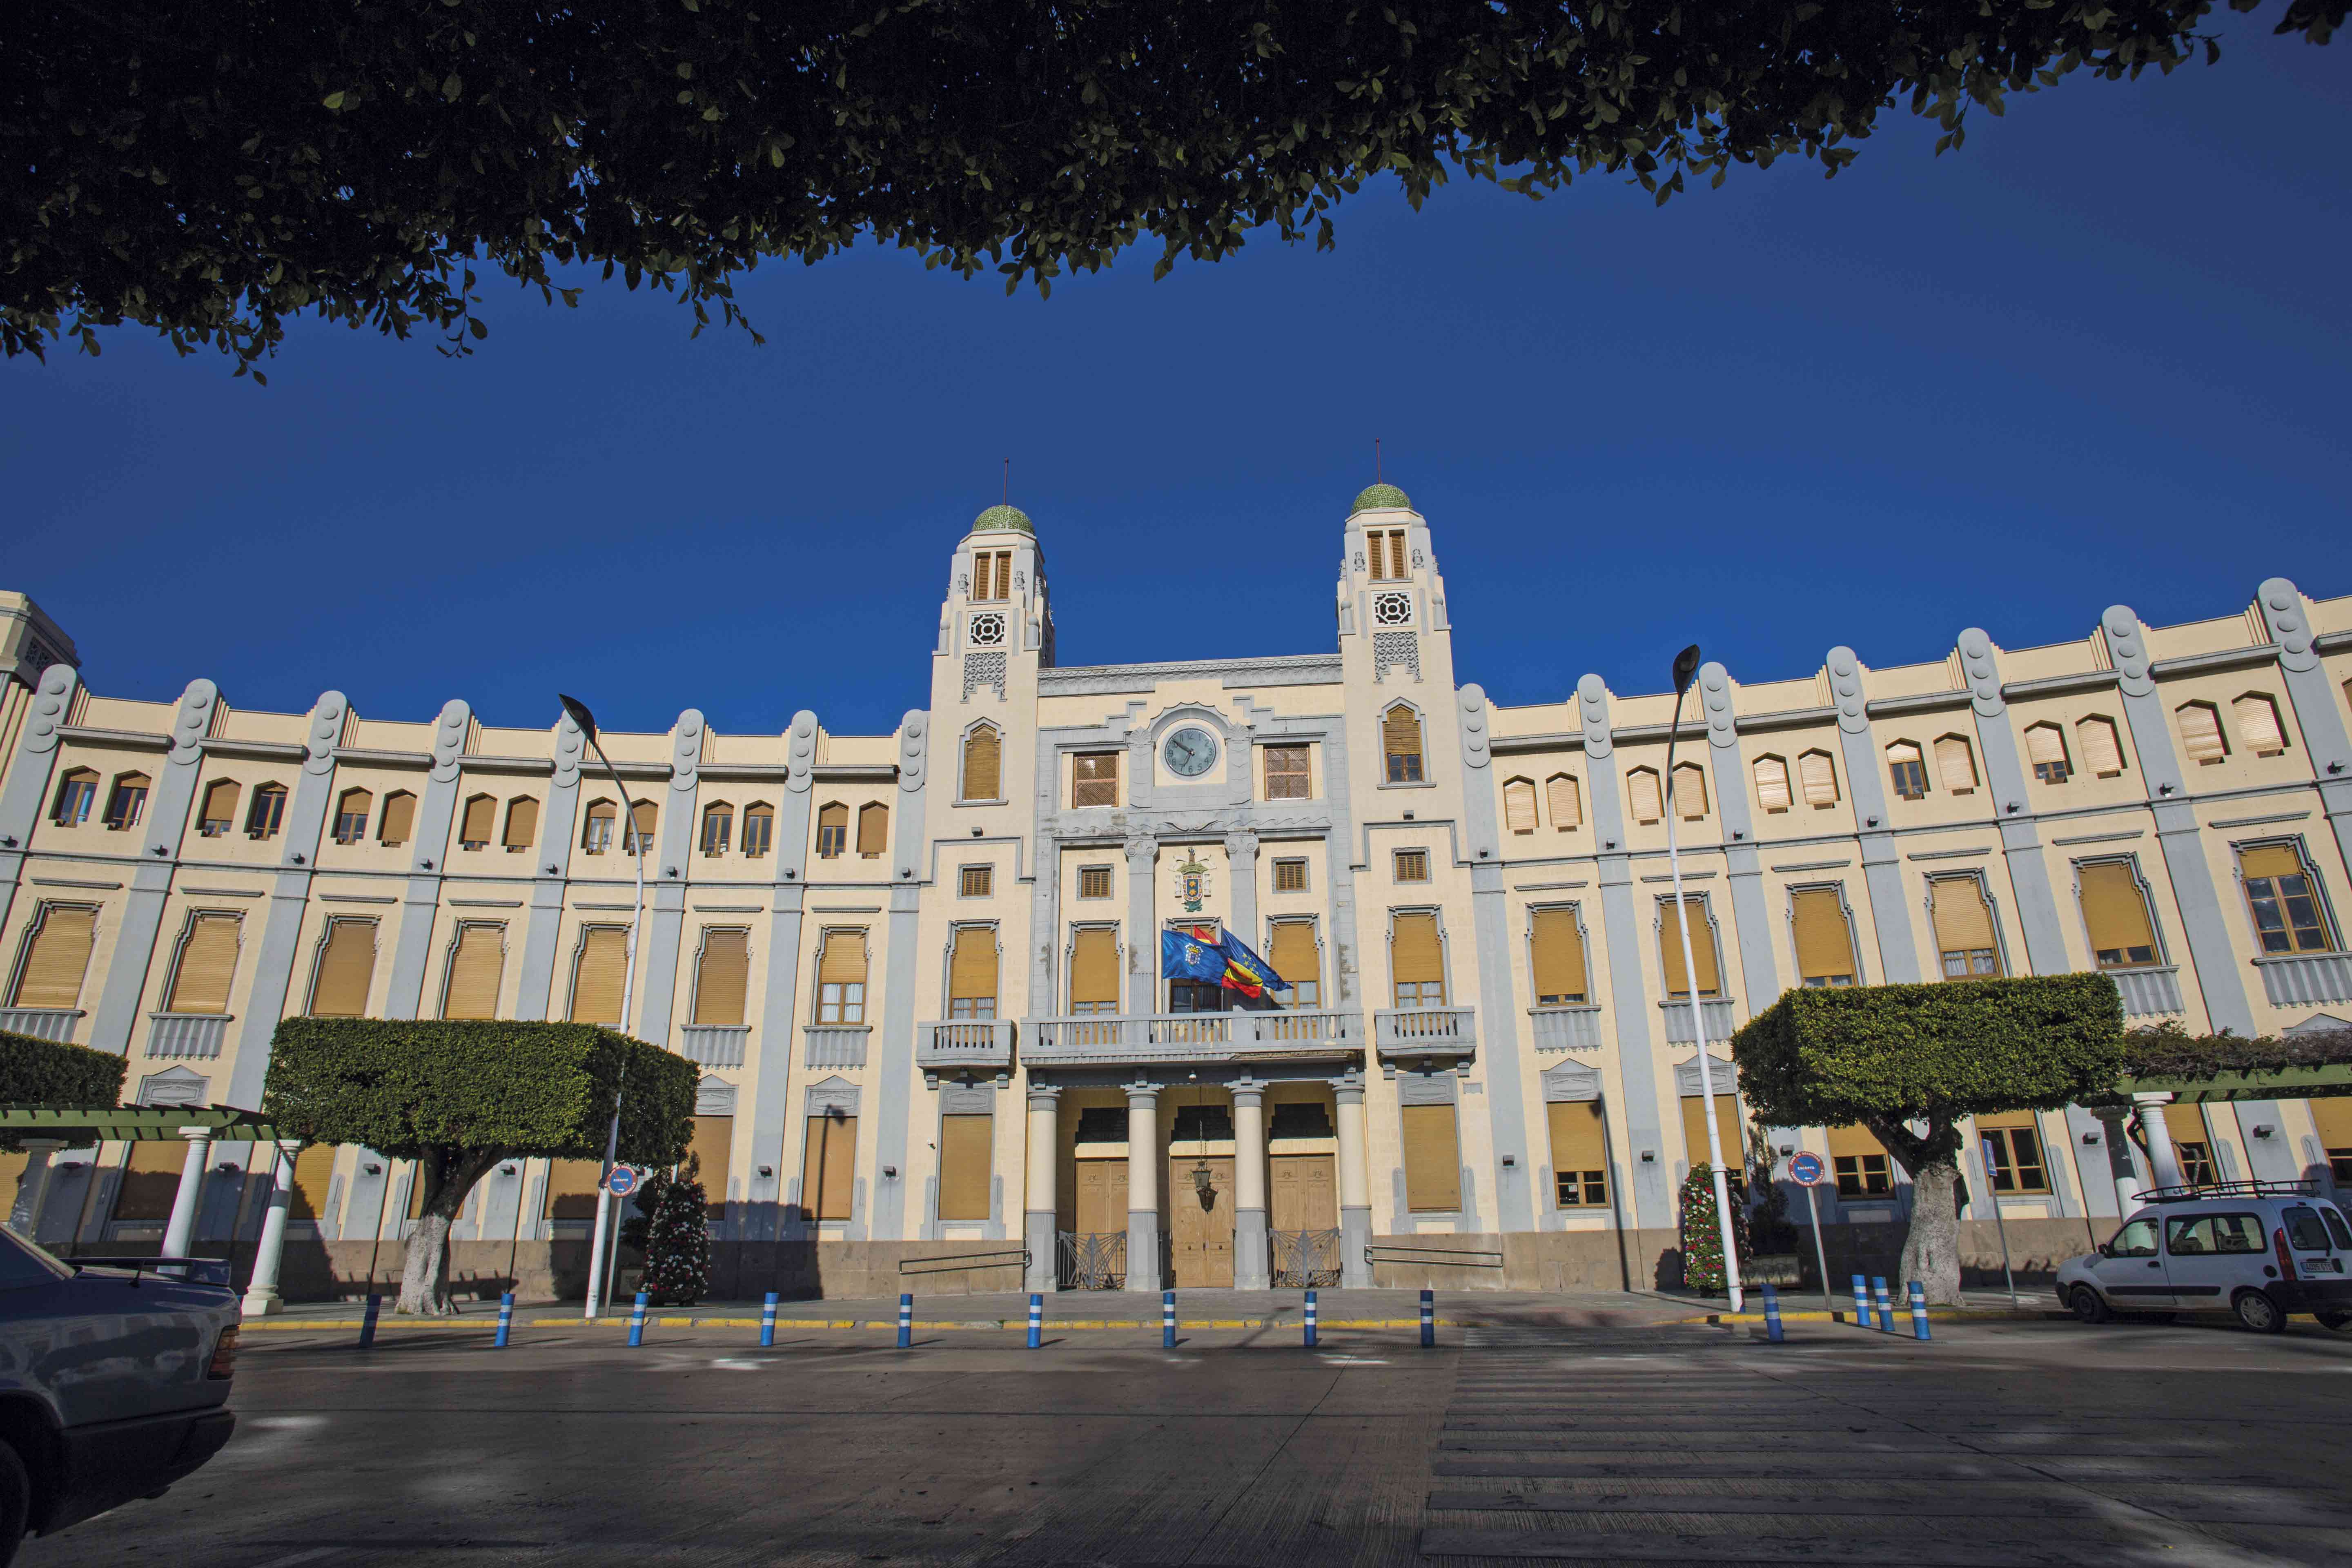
(1380, 498)
(998, 518)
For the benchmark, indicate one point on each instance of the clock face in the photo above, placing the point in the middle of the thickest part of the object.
(1189, 752)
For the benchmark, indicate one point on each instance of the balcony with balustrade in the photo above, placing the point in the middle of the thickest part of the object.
(1106, 1039)
(1717, 1011)
(713, 1044)
(41, 1022)
(1425, 1037)
(964, 1048)
(186, 1036)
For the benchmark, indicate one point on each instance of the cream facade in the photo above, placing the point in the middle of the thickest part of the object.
(922, 971)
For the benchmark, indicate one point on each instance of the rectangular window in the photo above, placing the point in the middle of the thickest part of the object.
(127, 804)
(976, 881)
(1859, 1161)
(1964, 934)
(1290, 875)
(718, 825)
(1825, 937)
(1400, 744)
(1094, 881)
(2283, 896)
(596, 976)
(2013, 1148)
(832, 831)
(1094, 971)
(200, 981)
(57, 958)
(1297, 959)
(1286, 774)
(476, 964)
(971, 973)
(1417, 961)
(2192, 1143)
(75, 797)
(1094, 778)
(1702, 945)
(722, 979)
(1579, 1155)
(965, 1165)
(993, 575)
(1388, 554)
(2115, 911)
(841, 978)
(2333, 1118)
(596, 834)
(829, 1166)
(346, 967)
(1432, 1160)
(1727, 1132)
(1556, 950)
(983, 754)
(758, 831)
(1413, 865)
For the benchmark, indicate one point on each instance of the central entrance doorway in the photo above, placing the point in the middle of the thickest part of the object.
(1200, 1222)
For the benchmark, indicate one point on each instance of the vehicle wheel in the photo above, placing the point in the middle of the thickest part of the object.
(16, 1502)
(2259, 1312)
(2336, 1320)
(2089, 1306)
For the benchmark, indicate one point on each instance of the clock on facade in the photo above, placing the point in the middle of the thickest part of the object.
(1189, 752)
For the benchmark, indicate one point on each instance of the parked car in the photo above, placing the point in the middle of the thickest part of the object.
(112, 1383)
(2262, 1250)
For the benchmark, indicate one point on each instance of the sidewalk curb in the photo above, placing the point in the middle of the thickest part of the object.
(621, 1321)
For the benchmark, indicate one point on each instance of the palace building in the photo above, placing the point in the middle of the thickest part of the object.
(921, 972)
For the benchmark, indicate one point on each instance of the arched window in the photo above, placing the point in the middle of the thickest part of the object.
(642, 815)
(596, 829)
(127, 802)
(1642, 795)
(263, 818)
(758, 829)
(873, 830)
(2045, 748)
(2200, 732)
(1566, 798)
(1818, 775)
(352, 809)
(2099, 746)
(1907, 770)
(218, 814)
(77, 793)
(479, 822)
(1956, 764)
(832, 830)
(983, 759)
(1690, 791)
(522, 824)
(1520, 805)
(1771, 784)
(1400, 744)
(399, 820)
(717, 828)
(2258, 725)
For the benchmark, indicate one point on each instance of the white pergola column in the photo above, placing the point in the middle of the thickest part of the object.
(1039, 1204)
(261, 1297)
(182, 1230)
(1143, 1186)
(1252, 1266)
(33, 1187)
(1355, 1184)
(2158, 1133)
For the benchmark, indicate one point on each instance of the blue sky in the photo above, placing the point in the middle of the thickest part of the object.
(2099, 355)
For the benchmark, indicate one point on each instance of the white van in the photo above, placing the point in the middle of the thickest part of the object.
(2260, 1249)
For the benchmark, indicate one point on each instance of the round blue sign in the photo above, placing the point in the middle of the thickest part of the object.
(1805, 1170)
(622, 1182)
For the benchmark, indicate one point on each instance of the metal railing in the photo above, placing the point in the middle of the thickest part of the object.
(835, 1044)
(957, 1263)
(1432, 1256)
(1090, 1259)
(186, 1036)
(1303, 1259)
(713, 1044)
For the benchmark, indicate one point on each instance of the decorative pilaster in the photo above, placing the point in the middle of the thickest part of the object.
(895, 1039)
(2020, 845)
(151, 885)
(657, 995)
(289, 897)
(1654, 1206)
(428, 857)
(1881, 866)
(771, 1063)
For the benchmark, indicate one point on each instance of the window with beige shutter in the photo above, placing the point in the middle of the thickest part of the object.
(832, 830)
(975, 881)
(1094, 971)
(1817, 775)
(829, 1166)
(1702, 944)
(966, 1164)
(1432, 1160)
(1956, 765)
(1290, 875)
(1400, 744)
(841, 978)
(971, 973)
(643, 818)
(1094, 881)
(267, 812)
(126, 802)
(2283, 894)
(1412, 864)
(1690, 791)
(77, 793)
(1860, 1162)
(1579, 1155)
(1964, 932)
(2045, 748)
(759, 830)
(991, 576)
(1298, 959)
(218, 814)
(712, 1150)
(1287, 775)
(1905, 771)
(2332, 1117)
(1771, 784)
(873, 830)
(722, 978)
(1565, 796)
(1825, 937)
(2099, 746)
(982, 759)
(339, 989)
(2200, 732)
(478, 961)
(1556, 954)
(56, 956)
(717, 828)
(1094, 778)
(596, 974)
(2114, 912)
(1388, 554)
(2259, 729)
(522, 825)
(1729, 1132)
(398, 824)
(314, 1173)
(150, 1180)
(1417, 960)
(1520, 805)
(596, 828)
(1642, 795)
(477, 822)
(206, 964)
(571, 1189)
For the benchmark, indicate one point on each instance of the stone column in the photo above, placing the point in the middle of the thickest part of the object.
(1252, 1266)
(1355, 1184)
(182, 1230)
(261, 1298)
(1143, 1186)
(1039, 1206)
(32, 1186)
(2158, 1133)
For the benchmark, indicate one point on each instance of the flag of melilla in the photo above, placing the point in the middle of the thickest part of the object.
(1228, 962)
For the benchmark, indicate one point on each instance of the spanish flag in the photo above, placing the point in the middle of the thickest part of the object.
(1245, 971)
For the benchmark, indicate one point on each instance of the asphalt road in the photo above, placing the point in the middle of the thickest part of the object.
(2040, 1443)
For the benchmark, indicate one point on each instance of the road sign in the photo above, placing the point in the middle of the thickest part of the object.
(1805, 1170)
(622, 1180)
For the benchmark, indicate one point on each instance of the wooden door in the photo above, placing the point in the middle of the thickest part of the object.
(1304, 1194)
(1102, 1197)
(1201, 1236)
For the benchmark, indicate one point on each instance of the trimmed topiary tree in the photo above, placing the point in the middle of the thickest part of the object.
(672, 1228)
(46, 1073)
(459, 1097)
(1900, 1058)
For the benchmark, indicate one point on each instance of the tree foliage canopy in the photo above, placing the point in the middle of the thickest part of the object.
(2168, 1051)
(34, 1071)
(209, 170)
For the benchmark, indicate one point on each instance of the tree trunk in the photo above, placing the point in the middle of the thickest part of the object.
(448, 1176)
(1931, 1251)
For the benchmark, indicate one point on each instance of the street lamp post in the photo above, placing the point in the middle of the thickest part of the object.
(1686, 667)
(600, 1253)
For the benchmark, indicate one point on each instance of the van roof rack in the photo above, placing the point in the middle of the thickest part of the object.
(2308, 1187)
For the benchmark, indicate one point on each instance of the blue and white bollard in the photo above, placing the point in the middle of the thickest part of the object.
(906, 1319)
(1036, 1319)
(1168, 1319)
(1918, 1311)
(768, 1322)
(1310, 1319)
(637, 1320)
(1428, 1320)
(1860, 1302)
(367, 1323)
(1885, 1304)
(1772, 1333)
(506, 1320)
